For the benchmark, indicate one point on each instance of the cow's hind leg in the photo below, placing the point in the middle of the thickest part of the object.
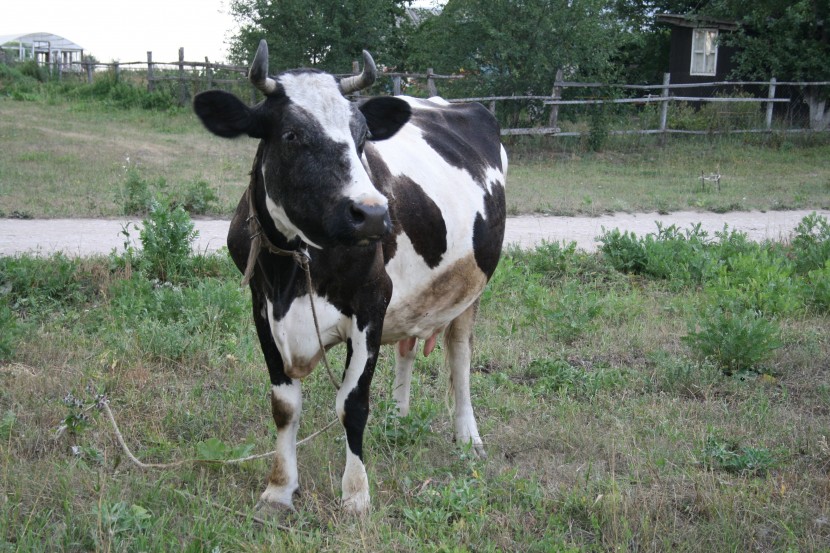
(458, 341)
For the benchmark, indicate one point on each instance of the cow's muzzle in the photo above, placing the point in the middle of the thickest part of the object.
(367, 222)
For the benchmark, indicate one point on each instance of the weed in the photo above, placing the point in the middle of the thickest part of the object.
(119, 523)
(818, 288)
(166, 237)
(811, 243)
(10, 331)
(733, 337)
(400, 431)
(136, 195)
(7, 425)
(199, 198)
(758, 280)
(730, 455)
(214, 449)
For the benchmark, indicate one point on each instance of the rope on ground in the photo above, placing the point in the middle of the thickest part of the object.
(137, 462)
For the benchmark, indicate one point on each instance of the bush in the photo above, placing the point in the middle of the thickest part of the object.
(759, 280)
(684, 257)
(734, 338)
(199, 198)
(818, 288)
(811, 244)
(166, 236)
(136, 196)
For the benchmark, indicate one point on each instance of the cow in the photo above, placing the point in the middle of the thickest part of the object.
(369, 223)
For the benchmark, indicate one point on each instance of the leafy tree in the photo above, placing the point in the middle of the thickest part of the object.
(516, 46)
(789, 40)
(643, 53)
(327, 34)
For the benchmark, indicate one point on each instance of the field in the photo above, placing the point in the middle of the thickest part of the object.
(75, 159)
(668, 393)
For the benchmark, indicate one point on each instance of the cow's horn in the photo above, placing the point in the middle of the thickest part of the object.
(364, 80)
(258, 74)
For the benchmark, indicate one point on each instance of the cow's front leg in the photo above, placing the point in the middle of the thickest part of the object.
(353, 411)
(286, 402)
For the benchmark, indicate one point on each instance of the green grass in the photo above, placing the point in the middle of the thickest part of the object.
(604, 428)
(74, 158)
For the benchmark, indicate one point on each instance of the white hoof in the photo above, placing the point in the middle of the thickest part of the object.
(357, 504)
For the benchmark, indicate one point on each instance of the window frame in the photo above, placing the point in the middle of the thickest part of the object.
(699, 35)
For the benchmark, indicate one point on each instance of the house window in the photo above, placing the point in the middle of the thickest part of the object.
(704, 51)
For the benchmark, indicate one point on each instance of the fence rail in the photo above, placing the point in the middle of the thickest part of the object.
(185, 78)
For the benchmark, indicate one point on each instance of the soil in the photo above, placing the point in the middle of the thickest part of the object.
(84, 237)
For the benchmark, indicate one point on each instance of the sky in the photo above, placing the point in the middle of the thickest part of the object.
(125, 30)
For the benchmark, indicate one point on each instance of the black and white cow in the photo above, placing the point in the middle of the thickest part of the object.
(398, 204)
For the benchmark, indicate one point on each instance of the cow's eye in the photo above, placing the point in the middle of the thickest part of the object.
(289, 136)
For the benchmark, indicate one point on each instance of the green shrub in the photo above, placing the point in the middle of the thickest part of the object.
(598, 128)
(733, 337)
(684, 257)
(136, 196)
(817, 288)
(624, 251)
(811, 244)
(166, 237)
(199, 198)
(34, 285)
(759, 280)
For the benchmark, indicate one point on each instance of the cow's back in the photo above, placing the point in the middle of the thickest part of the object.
(444, 173)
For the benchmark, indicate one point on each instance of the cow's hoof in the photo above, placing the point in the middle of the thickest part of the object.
(357, 504)
(273, 510)
(478, 449)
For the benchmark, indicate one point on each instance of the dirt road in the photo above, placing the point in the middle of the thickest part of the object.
(82, 237)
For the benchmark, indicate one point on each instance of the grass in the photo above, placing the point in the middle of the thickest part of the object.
(604, 429)
(74, 159)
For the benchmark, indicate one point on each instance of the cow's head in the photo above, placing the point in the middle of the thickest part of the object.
(310, 159)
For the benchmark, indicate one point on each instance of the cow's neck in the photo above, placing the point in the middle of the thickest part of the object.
(264, 234)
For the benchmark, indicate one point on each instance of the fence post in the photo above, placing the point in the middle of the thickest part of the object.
(556, 94)
(771, 95)
(431, 89)
(664, 107)
(208, 74)
(396, 85)
(150, 83)
(492, 107)
(117, 69)
(182, 82)
(89, 67)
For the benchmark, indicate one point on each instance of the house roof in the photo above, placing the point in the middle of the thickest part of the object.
(697, 21)
(54, 42)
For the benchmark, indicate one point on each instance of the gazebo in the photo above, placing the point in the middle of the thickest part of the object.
(45, 48)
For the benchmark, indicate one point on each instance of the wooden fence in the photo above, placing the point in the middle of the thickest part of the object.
(185, 78)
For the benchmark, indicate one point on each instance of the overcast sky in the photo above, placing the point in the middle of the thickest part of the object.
(125, 30)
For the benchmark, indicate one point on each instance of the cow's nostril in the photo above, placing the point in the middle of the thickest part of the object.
(358, 214)
(369, 220)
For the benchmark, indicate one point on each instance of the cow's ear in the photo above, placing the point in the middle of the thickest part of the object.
(225, 115)
(385, 115)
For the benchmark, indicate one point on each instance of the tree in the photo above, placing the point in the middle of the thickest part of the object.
(516, 46)
(785, 39)
(327, 34)
(643, 53)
